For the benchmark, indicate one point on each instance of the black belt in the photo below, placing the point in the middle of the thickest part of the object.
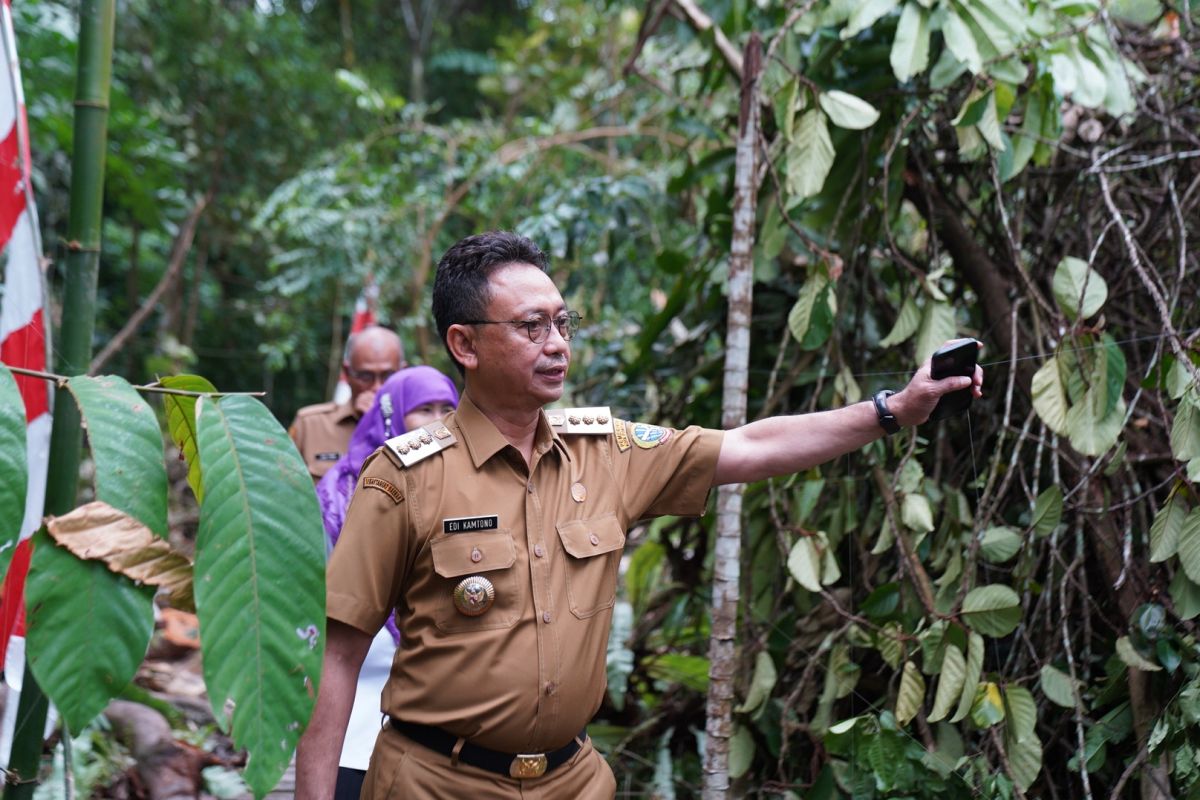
(514, 765)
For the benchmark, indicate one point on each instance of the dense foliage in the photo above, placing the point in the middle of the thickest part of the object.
(960, 605)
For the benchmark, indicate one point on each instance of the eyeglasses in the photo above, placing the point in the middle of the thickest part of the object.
(368, 376)
(538, 327)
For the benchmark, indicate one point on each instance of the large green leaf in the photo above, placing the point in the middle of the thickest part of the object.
(260, 596)
(865, 14)
(1021, 713)
(993, 610)
(916, 513)
(1132, 658)
(127, 446)
(1079, 289)
(937, 326)
(999, 544)
(988, 708)
(87, 630)
(1025, 760)
(1050, 396)
(950, 684)
(761, 684)
(619, 663)
(848, 111)
(1186, 596)
(1057, 686)
(181, 422)
(907, 322)
(1166, 527)
(689, 671)
(741, 751)
(961, 42)
(1090, 433)
(1185, 430)
(1047, 511)
(804, 562)
(910, 48)
(13, 469)
(811, 318)
(971, 681)
(809, 155)
(1189, 545)
(911, 694)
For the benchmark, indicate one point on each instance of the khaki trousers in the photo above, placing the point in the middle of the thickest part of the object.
(401, 768)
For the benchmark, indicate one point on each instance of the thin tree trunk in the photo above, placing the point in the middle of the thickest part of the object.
(97, 20)
(346, 22)
(722, 653)
(193, 306)
(132, 278)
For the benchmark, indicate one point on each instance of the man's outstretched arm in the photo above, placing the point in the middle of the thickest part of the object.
(785, 445)
(321, 745)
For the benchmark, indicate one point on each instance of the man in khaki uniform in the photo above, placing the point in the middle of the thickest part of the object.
(322, 431)
(497, 534)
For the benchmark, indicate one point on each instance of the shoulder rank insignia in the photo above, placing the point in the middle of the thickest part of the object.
(420, 443)
(580, 420)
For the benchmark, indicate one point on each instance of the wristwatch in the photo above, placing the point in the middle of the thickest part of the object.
(887, 420)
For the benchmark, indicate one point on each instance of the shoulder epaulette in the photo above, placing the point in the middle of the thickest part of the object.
(580, 420)
(319, 408)
(421, 443)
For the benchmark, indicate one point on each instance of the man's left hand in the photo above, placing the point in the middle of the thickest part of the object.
(916, 401)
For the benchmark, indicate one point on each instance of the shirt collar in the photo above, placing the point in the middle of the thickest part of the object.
(483, 440)
(344, 411)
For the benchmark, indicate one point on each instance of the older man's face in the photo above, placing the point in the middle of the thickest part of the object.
(510, 364)
(371, 362)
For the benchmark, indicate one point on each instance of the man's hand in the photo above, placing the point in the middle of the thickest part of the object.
(915, 402)
(364, 401)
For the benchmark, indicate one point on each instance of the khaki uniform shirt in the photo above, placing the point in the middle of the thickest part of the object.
(322, 434)
(529, 673)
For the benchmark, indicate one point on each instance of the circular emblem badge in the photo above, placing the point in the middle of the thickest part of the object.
(648, 436)
(474, 595)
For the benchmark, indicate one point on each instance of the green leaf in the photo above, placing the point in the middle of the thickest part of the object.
(1001, 26)
(1047, 510)
(848, 111)
(1186, 596)
(916, 513)
(1025, 761)
(809, 155)
(971, 681)
(761, 684)
(741, 751)
(911, 694)
(811, 318)
(907, 322)
(689, 671)
(910, 48)
(1050, 396)
(181, 422)
(999, 544)
(1166, 527)
(1079, 289)
(993, 610)
(889, 642)
(804, 562)
(644, 573)
(1057, 686)
(1189, 545)
(13, 467)
(127, 447)
(260, 568)
(1139, 12)
(1179, 379)
(865, 14)
(961, 42)
(1090, 433)
(988, 708)
(1132, 658)
(937, 326)
(87, 630)
(619, 661)
(1185, 430)
(950, 684)
(1021, 713)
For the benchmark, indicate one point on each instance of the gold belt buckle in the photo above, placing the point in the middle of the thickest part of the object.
(528, 765)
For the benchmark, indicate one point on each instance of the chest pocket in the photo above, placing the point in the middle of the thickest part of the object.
(593, 557)
(490, 554)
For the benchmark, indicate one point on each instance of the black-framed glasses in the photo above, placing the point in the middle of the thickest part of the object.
(538, 326)
(369, 376)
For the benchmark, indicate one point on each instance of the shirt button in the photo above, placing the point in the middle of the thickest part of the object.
(546, 617)
(529, 487)
(551, 688)
(476, 555)
(539, 551)
(594, 539)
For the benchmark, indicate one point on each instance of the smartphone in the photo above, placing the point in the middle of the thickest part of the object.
(957, 358)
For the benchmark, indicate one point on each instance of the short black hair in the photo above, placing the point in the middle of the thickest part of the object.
(460, 288)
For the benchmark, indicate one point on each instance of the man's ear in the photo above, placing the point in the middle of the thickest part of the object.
(460, 341)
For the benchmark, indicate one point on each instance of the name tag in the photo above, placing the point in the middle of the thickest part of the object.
(469, 524)
(327, 456)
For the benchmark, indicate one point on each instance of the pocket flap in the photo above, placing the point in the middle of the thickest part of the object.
(467, 553)
(584, 538)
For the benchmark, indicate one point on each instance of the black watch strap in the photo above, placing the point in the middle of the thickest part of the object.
(886, 419)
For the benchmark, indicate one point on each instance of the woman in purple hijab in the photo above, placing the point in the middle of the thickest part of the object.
(409, 399)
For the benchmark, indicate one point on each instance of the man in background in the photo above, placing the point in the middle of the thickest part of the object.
(322, 431)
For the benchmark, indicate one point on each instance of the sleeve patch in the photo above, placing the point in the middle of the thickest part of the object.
(386, 487)
(649, 436)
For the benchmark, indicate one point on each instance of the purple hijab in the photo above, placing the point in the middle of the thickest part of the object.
(400, 394)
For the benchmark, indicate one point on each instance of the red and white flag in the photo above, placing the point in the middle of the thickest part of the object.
(364, 317)
(24, 332)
